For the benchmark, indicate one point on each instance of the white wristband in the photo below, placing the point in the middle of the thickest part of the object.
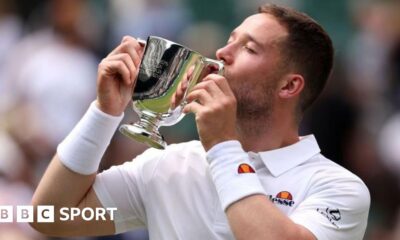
(233, 175)
(81, 151)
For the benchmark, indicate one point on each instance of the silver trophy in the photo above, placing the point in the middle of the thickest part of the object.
(166, 67)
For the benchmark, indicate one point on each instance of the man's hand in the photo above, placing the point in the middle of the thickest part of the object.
(214, 104)
(117, 75)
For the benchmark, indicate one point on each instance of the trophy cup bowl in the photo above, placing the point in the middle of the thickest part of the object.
(164, 67)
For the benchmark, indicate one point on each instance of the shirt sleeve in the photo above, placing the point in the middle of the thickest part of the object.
(123, 187)
(336, 209)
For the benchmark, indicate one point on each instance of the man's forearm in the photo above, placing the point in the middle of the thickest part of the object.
(61, 187)
(255, 217)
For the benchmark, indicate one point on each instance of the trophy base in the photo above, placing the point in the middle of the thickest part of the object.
(135, 132)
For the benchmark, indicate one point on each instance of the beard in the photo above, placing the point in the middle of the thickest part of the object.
(254, 106)
(254, 103)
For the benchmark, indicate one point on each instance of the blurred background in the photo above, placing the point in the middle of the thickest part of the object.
(49, 52)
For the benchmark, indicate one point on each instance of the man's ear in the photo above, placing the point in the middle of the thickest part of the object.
(291, 86)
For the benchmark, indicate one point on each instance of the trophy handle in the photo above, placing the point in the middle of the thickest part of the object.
(220, 65)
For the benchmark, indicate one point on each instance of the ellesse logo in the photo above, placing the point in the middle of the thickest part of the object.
(284, 195)
(284, 198)
(245, 168)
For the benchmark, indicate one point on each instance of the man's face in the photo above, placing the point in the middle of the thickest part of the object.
(252, 64)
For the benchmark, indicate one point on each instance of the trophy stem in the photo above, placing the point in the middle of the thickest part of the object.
(145, 131)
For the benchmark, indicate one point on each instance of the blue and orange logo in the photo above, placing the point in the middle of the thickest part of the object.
(245, 168)
(284, 198)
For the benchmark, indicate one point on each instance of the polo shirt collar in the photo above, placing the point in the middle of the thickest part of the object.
(283, 159)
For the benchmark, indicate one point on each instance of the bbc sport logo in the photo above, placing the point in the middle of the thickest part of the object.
(46, 214)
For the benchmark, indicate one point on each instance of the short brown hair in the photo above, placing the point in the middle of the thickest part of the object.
(307, 48)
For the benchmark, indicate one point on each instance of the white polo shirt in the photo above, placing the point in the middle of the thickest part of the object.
(172, 193)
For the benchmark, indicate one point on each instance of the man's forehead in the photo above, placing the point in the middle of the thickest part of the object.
(263, 27)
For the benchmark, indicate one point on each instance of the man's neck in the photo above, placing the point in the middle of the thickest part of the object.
(257, 136)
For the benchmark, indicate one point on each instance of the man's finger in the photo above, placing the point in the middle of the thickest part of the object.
(118, 67)
(127, 61)
(200, 95)
(129, 45)
(211, 87)
(193, 107)
(221, 81)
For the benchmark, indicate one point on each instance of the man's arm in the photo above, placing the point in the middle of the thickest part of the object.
(61, 187)
(255, 217)
(69, 178)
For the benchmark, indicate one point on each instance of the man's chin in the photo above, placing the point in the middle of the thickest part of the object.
(227, 73)
(229, 78)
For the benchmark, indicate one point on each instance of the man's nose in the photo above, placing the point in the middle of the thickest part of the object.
(225, 54)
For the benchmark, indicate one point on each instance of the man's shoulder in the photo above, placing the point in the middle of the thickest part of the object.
(336, 202)
(330, 175)
(326, 168)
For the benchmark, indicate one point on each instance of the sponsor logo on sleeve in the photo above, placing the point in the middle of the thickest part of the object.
(332, 214)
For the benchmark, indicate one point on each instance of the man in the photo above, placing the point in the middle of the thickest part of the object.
(249, 177)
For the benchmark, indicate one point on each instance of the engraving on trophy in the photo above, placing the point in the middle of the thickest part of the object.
(153, 68)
